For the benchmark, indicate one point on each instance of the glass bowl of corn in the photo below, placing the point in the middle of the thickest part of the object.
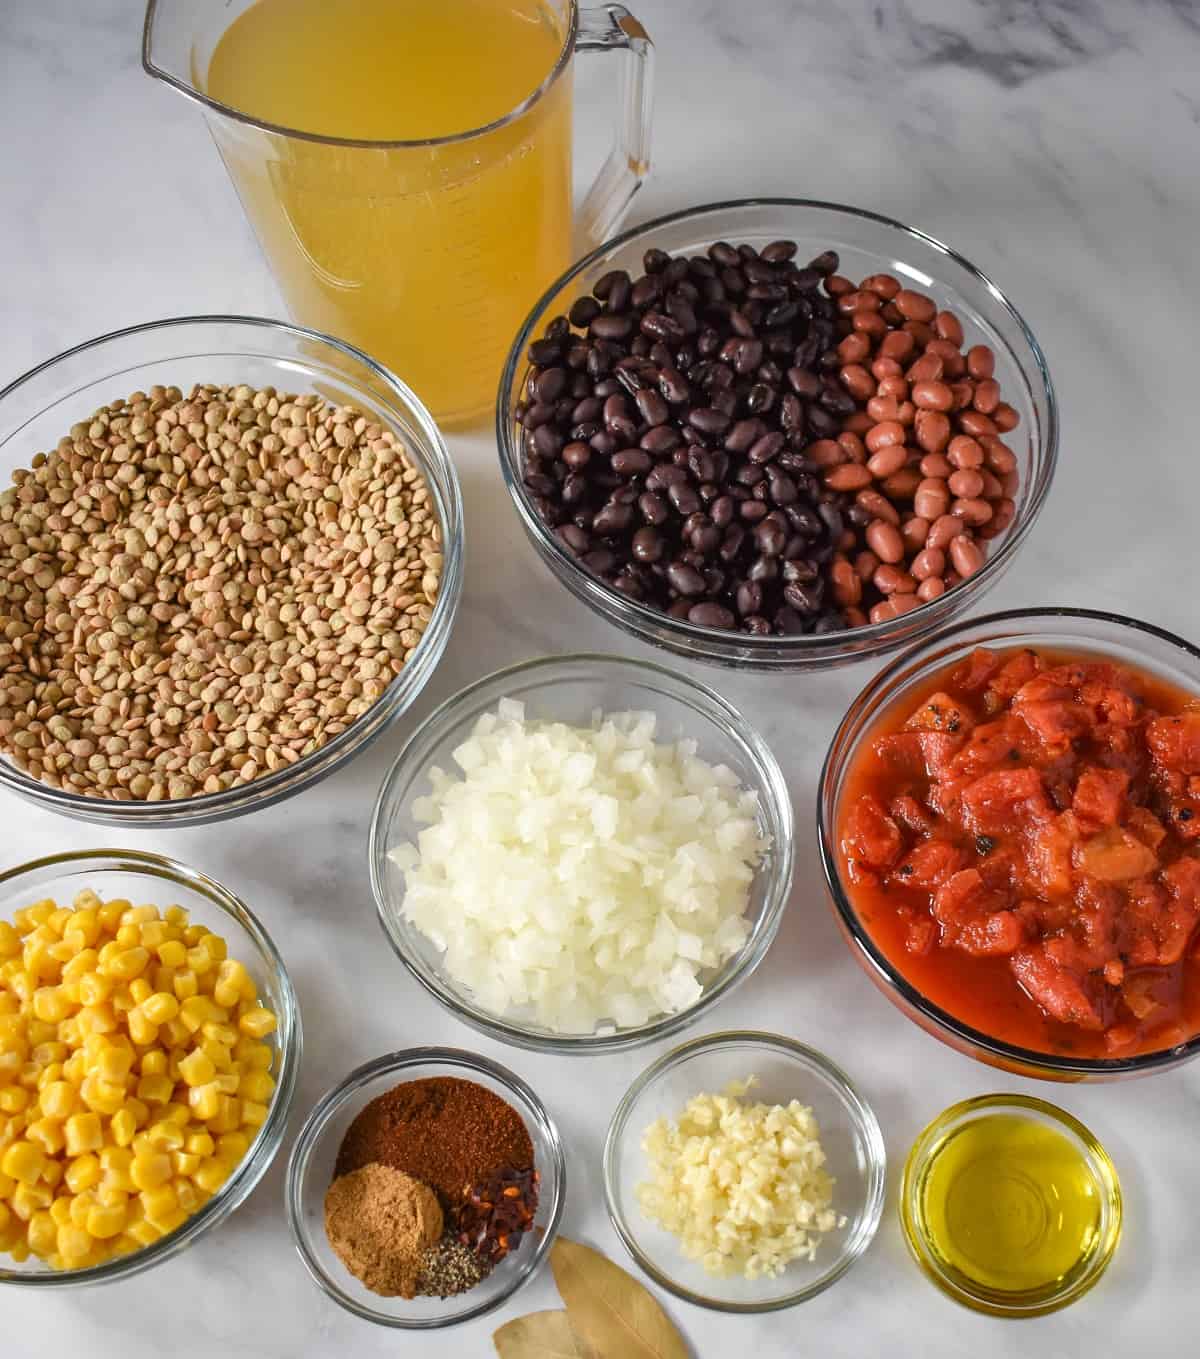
(149, 1048)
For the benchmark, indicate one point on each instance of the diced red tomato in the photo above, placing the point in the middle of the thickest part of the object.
(975, 672)
(1014, 673)
(938, 748)
(1146, 826)
(1048, 855)
(1059, 992)
(1100, 796)
(991, 745)
(1175, 742)
(920, 936)
(911, 814)
(870, 835)
(940, 712)
(1116, 856)
(1004, 801)
(930, 864)
(1056, 722)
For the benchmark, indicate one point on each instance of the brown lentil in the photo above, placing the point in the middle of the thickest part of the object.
(181, 567)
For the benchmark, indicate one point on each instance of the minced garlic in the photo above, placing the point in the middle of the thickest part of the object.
(742, 1185)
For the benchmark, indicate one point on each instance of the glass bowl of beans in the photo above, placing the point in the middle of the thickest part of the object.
(464, 1082)
(230, 555)
(776, 433)
(618, 853)
(163, 1089)
(1007, 832)
(757, 1076)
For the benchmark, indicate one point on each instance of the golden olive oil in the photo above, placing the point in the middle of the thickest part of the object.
(1011, 1204)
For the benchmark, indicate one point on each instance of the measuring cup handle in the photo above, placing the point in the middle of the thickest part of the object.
(607, 28)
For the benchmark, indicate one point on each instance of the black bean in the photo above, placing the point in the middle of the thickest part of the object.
(778, 252)
(631, 462)
(550, 384)
(574, 488)
(760, 398)
(804, 598)
(548, 441)
(661, 439)
(825, 263)
(749, 597)
(731, 542)
(764, 449)
(655, 261)
(741, 324)
(584, 311)
(710, 615)
(673, 386)
(661, 327)
(652, 408)
(803, 382)
(733, 281)
(752, 510)
(606, 327)
(685, 500)
(574, 539)
(645, 291)
(789, 622)
(617, 296)
(647, 545)
(542, 352)
(823, 423)
(612, 519)
(705, 538)
(600, 560)
(783, 488)
(684, 579)
(653, 508)
(721, 252)
(722, 510)
(709, 421)
(769, 538)
(681, 312)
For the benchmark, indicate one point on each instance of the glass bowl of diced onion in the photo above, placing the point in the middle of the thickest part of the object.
(773, 1070)
(142, 878)
(583, 692)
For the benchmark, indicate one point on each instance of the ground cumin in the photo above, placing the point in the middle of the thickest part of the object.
(447, 1132)
(381, 1224)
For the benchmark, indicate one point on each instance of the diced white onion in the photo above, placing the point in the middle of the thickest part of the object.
(584, 877)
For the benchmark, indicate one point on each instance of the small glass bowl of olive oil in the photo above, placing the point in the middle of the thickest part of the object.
(1010, 1205)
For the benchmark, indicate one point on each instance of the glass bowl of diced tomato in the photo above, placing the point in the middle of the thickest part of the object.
(1009, 825)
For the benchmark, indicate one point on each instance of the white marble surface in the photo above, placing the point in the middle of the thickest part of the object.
(1056, 145)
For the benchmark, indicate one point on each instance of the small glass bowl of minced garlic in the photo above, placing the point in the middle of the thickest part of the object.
(1010, 1205)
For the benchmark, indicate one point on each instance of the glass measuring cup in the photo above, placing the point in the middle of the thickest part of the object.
(428, 253)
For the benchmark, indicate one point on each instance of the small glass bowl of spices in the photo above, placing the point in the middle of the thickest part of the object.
(1010, 1205)
(426, 1188)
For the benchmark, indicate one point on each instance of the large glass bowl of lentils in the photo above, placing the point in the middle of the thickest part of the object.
(230, 557)
(776, 433)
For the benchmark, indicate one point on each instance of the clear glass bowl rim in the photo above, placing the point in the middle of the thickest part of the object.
(460, 1060)
(987, 1301)
(642, 616)
(263, 1150)
(396, 698)
(863, 1115)
(862, 711)
(717, 710)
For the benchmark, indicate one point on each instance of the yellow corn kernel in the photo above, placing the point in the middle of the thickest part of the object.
(83, 1173)
(160, 1008)
(175, 1033)
(14, 1099)
(139, 1109)
(106, 1221)
(176, 915)
(217, 1053)
(48, 1134)
(140, 991)
(198, 959)
(62, 952)
(52, 1173)
(102, 1096)
(27, 1199)
(254, 1115)
(95, 1019)
(123, 1127)
(9, 1004)
(42, 1233)
(175, 1113)
(153, 933)
(184, 1163)
(117, 1163)
(205, 1102)
(114, 1064)
(186, 985)
(48, 1051)
(141, 1030)
(227, 1082)
(198, 1144)
(160, 1202)
(150, 1169)
(197, 1069)
(233, 983)
(153, 1063)
(83, 1134)
(109, 913)
(252, 1054)
(111, 1198)
(173, 953)
(168, 1136)
(73, 1244)
(49, 1074)
(23, 1161)
(128, 936)
(94, 989)
(82, 963)
(197, 1011)
(50, 1005)
(74, 1069)
(214, 946)
(60, 1209)
(212, 1174)
(10, 940)
(128, 964)
(19, 1251)
(155, 1089)
(81, 1204)
(257, 1023)
(233, 1146)
(229, 1115)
